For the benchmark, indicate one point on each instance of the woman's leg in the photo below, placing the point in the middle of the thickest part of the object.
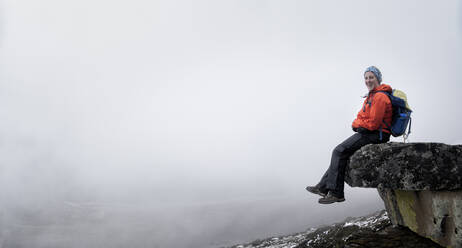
(333, 179)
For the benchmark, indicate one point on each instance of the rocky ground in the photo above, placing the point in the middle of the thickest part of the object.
(373, 231)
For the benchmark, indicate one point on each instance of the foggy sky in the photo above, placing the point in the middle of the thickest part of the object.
(208, 101)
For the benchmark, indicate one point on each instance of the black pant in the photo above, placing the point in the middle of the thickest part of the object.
(333, 179)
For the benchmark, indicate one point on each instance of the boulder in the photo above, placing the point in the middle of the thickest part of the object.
(420, 184)
(406, 166)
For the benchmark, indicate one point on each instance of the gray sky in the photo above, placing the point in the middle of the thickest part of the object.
(208, 100)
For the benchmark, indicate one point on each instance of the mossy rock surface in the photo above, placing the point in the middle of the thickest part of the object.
(406, 166)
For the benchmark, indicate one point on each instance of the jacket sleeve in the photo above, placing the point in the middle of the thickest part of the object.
(357, 122)
(377, 111)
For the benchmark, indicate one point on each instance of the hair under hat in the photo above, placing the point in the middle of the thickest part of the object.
(376, 72)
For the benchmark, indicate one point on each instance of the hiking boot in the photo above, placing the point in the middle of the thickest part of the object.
(316, 190)
(331, 198)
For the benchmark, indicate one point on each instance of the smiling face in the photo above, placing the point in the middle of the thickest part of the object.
(371, 80)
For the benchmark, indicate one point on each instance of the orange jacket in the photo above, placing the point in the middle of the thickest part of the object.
(376, 109)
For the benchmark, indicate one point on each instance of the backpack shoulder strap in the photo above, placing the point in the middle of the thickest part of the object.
(383, 121)
(385, 92)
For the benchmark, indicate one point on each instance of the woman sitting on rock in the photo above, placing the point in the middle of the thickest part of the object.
(370, 126)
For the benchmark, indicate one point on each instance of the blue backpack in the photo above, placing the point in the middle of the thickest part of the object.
(401, 116)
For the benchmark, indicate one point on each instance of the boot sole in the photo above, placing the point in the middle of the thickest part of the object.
(331, 201)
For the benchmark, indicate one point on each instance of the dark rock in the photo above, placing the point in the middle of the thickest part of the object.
(406, 166)
(373, 231)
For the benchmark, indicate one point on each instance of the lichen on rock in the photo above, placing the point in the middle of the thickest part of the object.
(406, 166)
(420, 184)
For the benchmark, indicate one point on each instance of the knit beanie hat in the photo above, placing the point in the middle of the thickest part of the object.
(376, 72)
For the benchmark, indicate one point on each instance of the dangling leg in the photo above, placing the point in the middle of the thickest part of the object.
(333, 179)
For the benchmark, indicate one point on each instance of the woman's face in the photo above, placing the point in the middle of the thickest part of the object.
(371, 80)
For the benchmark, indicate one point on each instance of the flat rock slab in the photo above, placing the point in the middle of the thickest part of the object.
(406, 166)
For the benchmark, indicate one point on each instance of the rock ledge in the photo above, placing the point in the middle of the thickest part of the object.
(420, 184)
(406, 166)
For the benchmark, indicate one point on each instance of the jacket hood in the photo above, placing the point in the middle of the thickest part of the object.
(383, 87)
